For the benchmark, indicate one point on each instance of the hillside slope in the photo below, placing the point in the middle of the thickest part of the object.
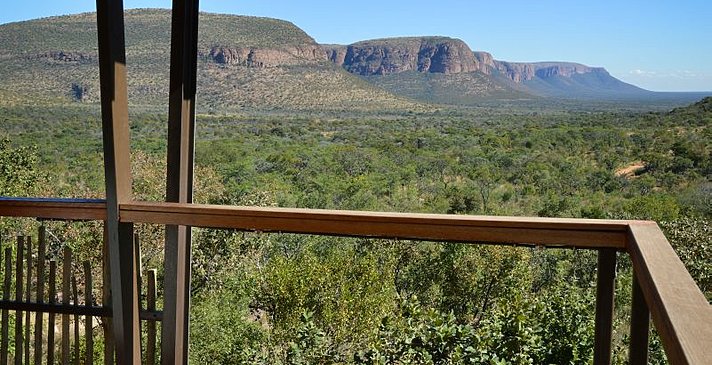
(245, 63)
(262, 64)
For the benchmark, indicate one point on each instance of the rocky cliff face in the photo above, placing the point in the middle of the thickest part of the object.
(265, 57)
(439, 55)
(523, 71)
(335, 53)
(485, 62)
(389, 56)
(550, 69)
(515, 71)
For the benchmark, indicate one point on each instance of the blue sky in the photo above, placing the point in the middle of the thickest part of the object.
(661, 45)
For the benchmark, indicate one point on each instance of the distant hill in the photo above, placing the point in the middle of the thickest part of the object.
(567, 80)
(262, 64)
(245, 63)
(700, 111)
(467, 77)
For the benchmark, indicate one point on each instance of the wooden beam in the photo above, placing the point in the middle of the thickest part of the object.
(435, 227)
(639, 326)
(117, 172)
(605, 289)
(55, 308)
(680, 311)
(179, 186)
(52, 208)
(351, 215)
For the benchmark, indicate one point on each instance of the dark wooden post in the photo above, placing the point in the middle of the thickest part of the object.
(179, 187)
(639, 326)
(605, 289)
(117, 170)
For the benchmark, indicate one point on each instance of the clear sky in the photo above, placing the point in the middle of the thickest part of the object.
(662, 45)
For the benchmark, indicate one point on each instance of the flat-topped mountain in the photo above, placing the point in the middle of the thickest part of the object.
(381, 59)
(253, 63)
(395, 55)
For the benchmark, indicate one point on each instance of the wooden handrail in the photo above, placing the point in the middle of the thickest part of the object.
(585, 233)
(680, 310)
(53, 208)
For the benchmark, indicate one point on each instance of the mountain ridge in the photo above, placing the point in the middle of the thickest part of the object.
(261, 63)
(450, 56)
(245, 64)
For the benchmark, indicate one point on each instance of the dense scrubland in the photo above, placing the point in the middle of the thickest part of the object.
(298, 299)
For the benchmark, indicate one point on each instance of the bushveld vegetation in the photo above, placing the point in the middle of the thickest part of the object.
(296, 299)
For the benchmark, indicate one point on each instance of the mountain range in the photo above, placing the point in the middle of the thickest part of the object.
(252, 63)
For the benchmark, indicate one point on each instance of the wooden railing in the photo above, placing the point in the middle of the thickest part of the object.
(32, 303)
(663, 287)
(53, 293)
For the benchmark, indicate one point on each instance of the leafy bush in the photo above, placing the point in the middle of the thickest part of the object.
(692, 240)
(531, 329)
(348, 289)
(18, 170)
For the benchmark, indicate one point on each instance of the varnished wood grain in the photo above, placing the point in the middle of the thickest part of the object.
(436, 227)
(49, 208)
(681, 314)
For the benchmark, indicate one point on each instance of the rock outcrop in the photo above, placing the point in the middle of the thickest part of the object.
(485, 62)
(389, 56)
(265, 57)
(65, 56)
(335, 53)
(549, 69)
(524, 71)
(516, 71)
(520, 71)
(439, 55)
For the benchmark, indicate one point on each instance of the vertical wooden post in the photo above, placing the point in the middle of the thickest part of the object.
(139, 264)
(89, 325)
(117, 171)
(109, 350)
(66, 294)
(28, 299)
(605, 290)
(51, 321)
(179, 187)
(151, 325)
(18, 298)
(4, 345)
(39, 319)
(639, 326)
(75, 294)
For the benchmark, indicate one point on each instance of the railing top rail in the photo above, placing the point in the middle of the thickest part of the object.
(434, 227)
(53, 208)
(680, 311)
(490, 221)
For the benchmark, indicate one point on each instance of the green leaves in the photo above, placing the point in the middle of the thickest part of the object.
(18, 170)
(692, 239)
